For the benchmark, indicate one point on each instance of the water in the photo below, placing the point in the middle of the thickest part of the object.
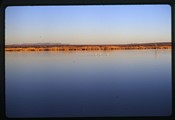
(88, 84)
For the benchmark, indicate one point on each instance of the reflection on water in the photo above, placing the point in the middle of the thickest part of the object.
(83, 84)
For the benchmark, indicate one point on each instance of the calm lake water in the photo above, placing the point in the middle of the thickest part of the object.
(88, 84)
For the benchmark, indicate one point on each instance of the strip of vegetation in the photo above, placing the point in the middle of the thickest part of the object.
(85, 47)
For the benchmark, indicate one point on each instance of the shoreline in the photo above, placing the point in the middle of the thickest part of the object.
(85, 47)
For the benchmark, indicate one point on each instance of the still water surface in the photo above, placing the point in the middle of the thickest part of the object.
(88, 84)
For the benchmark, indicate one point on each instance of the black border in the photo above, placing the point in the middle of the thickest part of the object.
(5, 3)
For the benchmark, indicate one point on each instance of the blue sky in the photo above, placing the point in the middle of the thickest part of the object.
(101, 24)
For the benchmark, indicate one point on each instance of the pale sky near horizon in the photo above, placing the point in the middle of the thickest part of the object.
(96, 24)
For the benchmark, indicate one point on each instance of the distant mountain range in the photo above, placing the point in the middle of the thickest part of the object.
(60, 44)
(36, 44)
(155, 43)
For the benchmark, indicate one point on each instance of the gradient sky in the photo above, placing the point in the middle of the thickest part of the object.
(109, 24)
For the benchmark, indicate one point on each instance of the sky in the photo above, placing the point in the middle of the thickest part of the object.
(89, 24)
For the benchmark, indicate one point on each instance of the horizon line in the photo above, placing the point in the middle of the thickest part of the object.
(85, 44)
